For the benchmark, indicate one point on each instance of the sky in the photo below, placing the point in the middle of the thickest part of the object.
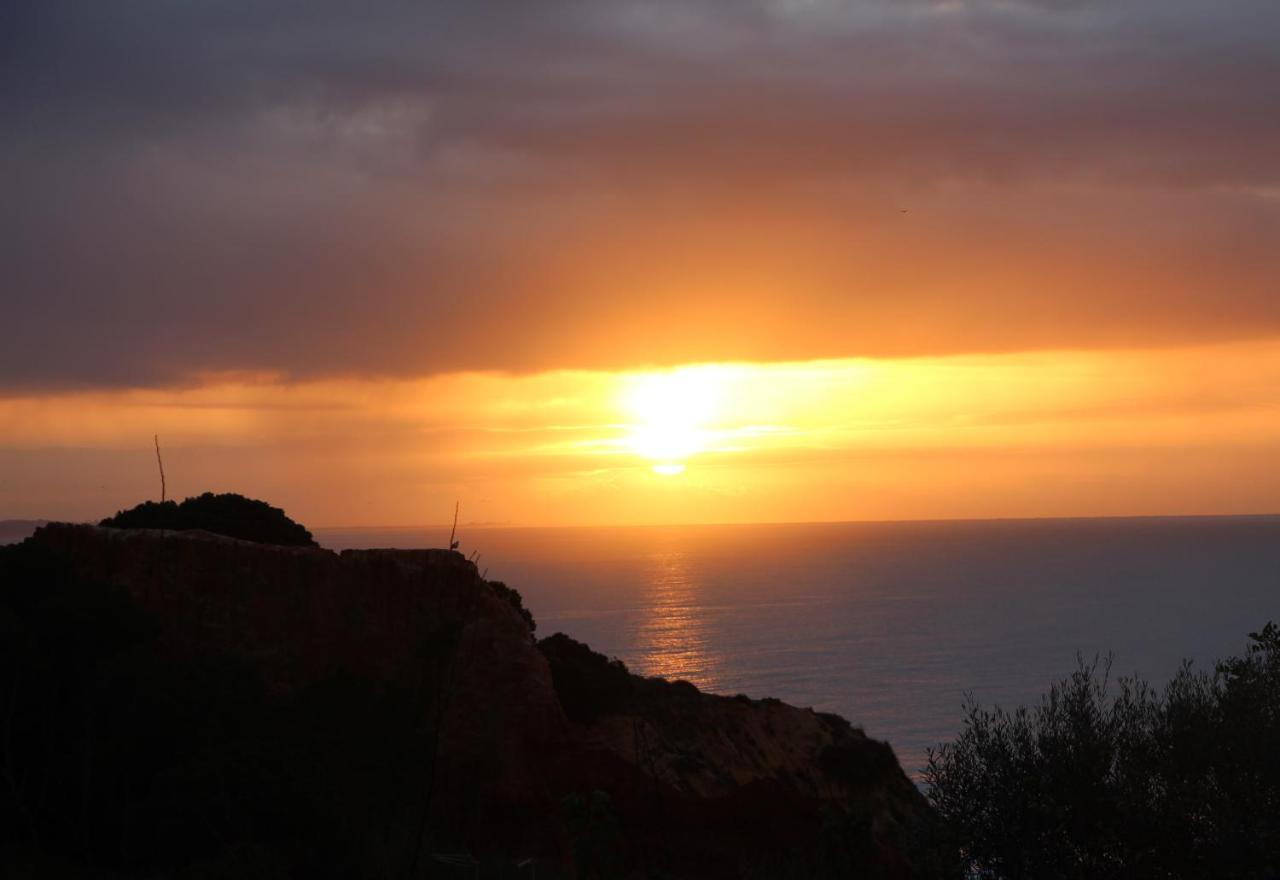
(620, 261)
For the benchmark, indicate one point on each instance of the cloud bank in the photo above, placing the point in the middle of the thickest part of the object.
(328, 188)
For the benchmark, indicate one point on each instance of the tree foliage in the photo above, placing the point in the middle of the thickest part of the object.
(1121, 779)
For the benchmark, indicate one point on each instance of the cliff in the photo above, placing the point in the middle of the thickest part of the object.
(379, 712)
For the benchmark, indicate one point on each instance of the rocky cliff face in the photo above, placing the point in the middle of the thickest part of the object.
(503, 747)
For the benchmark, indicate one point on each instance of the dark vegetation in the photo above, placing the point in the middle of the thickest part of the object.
(1112, 780)
(590, 686)
(588, 683)
(229, 514)
(512, 595)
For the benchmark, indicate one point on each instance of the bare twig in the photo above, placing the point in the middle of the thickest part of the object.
(160, 462)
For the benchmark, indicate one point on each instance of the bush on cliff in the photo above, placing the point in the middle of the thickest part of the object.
(227, 514)
(512, 596)
(1123, 782)
(588, 684)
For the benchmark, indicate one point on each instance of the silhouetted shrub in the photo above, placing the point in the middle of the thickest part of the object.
(1182, 782)
(228, 514)
(588, 683)
(512, 595)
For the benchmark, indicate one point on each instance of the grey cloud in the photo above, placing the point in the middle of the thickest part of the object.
(404, 187)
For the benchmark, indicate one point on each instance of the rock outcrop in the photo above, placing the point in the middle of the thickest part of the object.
(495, 745)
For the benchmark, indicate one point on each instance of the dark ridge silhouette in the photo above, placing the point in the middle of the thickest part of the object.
(179, 705)
(229, 514)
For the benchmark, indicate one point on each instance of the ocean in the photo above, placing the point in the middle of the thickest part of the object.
(888, 624)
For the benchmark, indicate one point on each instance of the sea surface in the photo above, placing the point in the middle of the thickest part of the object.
(888, 624)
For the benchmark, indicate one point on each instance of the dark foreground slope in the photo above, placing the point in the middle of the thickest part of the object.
(197, 706)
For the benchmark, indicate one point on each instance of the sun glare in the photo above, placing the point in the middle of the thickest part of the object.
(670, 415)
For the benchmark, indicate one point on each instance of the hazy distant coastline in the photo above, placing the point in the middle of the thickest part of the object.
(14, 530)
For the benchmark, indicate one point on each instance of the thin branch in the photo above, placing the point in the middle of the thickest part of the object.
(160, 462)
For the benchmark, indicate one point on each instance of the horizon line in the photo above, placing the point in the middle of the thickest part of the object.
(813, 522)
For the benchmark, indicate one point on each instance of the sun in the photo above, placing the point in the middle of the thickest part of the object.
(670, 414)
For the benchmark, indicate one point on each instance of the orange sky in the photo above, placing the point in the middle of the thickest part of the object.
(937, 258)
(1055, 433)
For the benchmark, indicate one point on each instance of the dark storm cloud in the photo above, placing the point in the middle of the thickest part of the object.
(329, 187)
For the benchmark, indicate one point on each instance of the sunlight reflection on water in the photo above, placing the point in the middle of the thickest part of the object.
(671, 638)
